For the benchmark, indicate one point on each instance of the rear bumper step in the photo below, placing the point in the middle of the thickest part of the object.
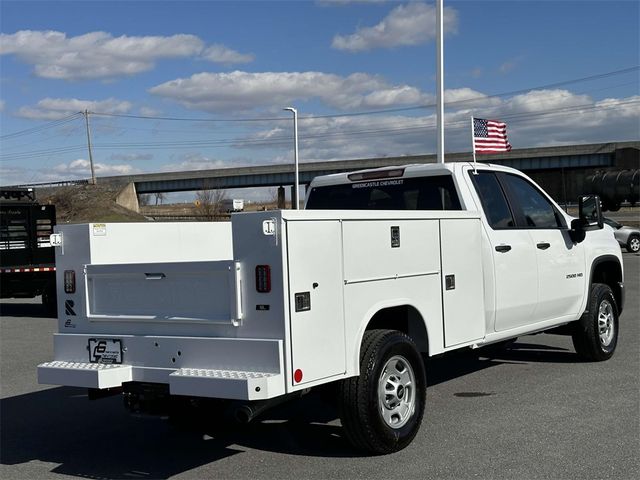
(90, 375)
(195, 382)
(226, 383)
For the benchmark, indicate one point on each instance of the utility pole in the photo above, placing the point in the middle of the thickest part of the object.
(440, 80)
(86, 121)
(294, 201)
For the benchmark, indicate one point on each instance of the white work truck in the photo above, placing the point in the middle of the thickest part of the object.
(383, 266)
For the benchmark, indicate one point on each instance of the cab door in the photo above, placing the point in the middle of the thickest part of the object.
(561, 276)
(514, 258)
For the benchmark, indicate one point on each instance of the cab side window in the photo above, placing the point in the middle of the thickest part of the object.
(536, 210)
(494, 201)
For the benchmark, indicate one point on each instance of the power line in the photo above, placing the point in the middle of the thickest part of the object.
(387, 110)
(39, 128)
(274, 141)
(285, 140)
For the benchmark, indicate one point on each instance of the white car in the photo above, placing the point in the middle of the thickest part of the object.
(627, 237)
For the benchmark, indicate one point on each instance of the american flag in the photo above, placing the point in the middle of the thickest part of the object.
(490, 136)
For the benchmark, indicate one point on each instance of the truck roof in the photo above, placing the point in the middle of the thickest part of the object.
(399, 171)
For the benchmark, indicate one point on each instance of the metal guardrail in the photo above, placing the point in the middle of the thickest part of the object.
(63, 183)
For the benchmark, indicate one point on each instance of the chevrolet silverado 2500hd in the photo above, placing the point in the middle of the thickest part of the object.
(382, 266)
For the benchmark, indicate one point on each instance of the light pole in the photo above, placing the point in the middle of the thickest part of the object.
(295, 156)
(440, 80)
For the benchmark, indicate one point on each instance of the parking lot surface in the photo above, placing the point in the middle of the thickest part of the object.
(534, 411)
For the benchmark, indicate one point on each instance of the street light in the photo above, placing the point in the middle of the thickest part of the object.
(295, 156)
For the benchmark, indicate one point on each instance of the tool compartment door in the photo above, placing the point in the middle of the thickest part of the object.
(203, 292)
(462, 291)
(315, 300)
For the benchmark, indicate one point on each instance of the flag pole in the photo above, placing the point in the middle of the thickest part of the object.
(473, 146)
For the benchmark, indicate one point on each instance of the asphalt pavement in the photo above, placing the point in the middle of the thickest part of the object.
(532, 412)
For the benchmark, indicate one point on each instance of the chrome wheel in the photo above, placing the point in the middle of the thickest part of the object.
(606, 325)
(634, 244)
(396, 392)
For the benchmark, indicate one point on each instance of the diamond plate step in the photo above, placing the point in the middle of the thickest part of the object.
(234, 384)
(89, 375)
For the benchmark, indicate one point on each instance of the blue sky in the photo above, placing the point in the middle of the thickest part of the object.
(239, 60)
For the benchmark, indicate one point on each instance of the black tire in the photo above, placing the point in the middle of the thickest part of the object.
(360, 406)
(593, 343)
(633, 244)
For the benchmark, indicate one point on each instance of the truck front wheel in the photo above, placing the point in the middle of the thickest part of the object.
(381, 410)
(595, 335)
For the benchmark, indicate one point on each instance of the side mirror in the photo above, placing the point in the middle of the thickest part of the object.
(589, 217)
(590, 213)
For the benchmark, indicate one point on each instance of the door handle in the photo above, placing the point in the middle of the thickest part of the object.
(503, 248)
(543, 245)
(154, 276)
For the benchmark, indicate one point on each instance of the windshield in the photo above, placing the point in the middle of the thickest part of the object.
(418, 193)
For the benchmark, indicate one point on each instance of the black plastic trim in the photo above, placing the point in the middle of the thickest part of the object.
(620, 294)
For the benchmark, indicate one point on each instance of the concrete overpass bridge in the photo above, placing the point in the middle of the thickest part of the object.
(570, 157)
(562, 171)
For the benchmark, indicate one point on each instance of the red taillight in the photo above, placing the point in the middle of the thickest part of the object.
(69, 281)
(263, 278)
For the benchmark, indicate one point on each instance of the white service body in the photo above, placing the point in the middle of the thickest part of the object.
(180, 300)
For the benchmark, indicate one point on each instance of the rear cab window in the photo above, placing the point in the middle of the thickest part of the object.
(437, 192)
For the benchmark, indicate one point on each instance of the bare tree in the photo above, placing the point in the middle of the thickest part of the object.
(160, 197)
(209, 202)
(144, 199)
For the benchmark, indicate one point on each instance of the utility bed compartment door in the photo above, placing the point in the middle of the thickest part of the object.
(315, 303)
(206, 292)
(462, 282)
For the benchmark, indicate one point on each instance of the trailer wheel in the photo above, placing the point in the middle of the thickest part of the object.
(595, 335)
(381, 410)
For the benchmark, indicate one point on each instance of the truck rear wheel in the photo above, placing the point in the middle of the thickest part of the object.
(381, 410)
(595, 335)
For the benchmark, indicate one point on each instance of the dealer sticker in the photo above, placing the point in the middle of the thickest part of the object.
(105, 350)
(99, 229)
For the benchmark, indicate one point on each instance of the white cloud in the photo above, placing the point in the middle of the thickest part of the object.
(149, 112)
(2, 105)
(410, 24)
(509, 65)
(131, 157)
(99, 55)
(56, 108)
(82, 167)
(584, 121)
(194, 161)
(220, 54)
(243, 91)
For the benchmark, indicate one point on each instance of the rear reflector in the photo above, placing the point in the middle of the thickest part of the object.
(376, 174)
(263, 278)
(69, 281)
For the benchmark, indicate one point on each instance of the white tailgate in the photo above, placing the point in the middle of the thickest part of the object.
(464, 296)
(185, 291)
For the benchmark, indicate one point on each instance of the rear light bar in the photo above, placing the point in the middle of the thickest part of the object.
(263, 278)
(393, 173)
(69, 281)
